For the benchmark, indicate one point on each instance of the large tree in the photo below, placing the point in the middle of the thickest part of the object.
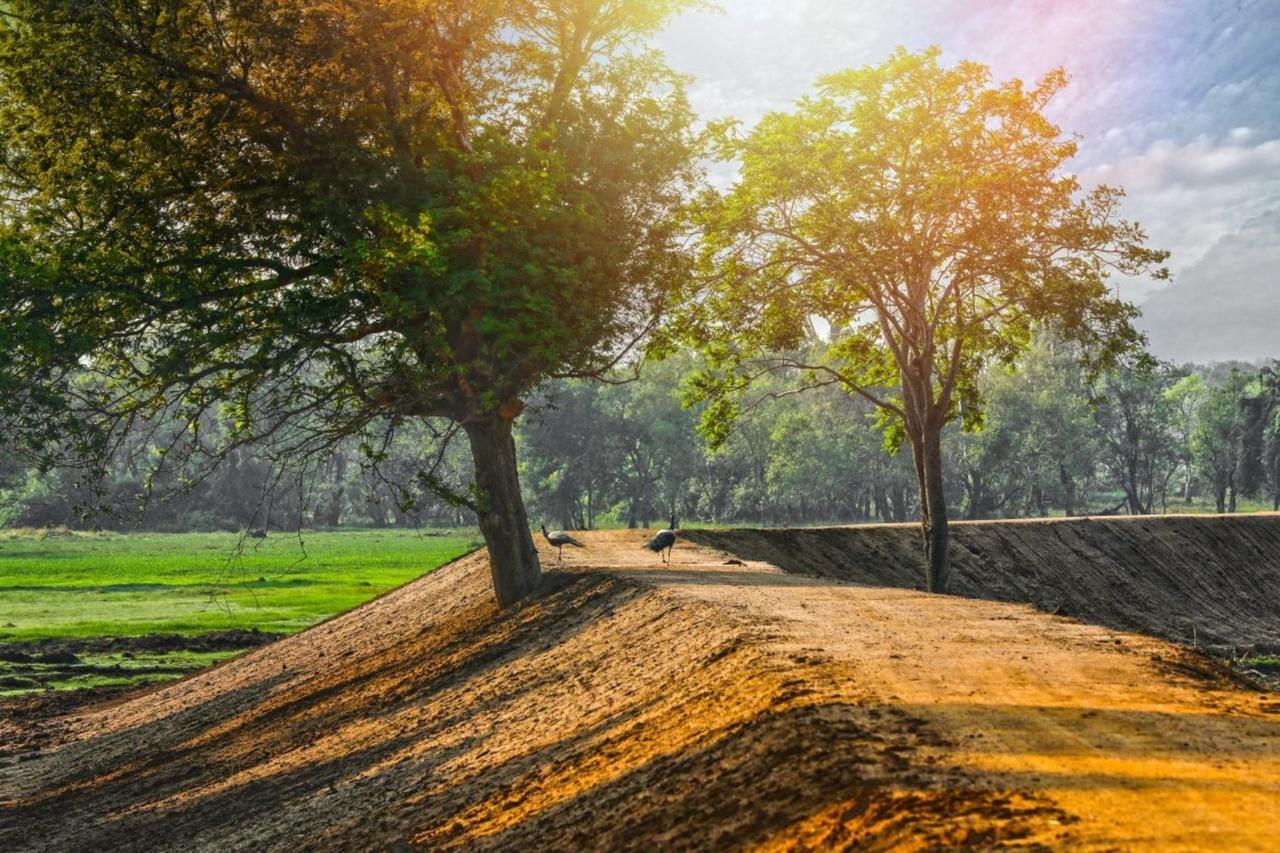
(1038, 446)
(322, 219)
(1218, 440)
(1185, 398)
(925, 214)
(1135, 426)
(571, 455)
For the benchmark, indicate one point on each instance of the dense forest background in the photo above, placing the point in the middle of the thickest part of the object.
(1053, 441)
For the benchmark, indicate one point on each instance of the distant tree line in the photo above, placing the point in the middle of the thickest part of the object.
(629, 453)
(1051, 441)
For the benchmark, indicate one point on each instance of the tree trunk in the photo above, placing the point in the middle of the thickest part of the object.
(974, 503)
(513, 560)
(1037, 496)
(1068, 490)
(922, 484)
(883, 509)
(1132, 488)
(331, 514)
(378, 512)
(933, 502)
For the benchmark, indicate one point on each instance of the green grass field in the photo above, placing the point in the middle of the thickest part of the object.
(94, 585)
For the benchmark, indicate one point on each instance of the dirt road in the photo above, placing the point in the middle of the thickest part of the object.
(713, 704)
(1212, 581)
(1142, 743)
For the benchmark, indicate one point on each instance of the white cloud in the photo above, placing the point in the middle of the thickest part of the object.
(1190, 195)
(1227, 304)
(761, 55)
(1201, 162)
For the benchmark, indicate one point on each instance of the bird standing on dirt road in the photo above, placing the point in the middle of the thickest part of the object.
(664, 541)
(559, 539)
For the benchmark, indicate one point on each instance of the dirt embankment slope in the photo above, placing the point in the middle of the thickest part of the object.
(1209, 581)
(607, 714)
(710, 704)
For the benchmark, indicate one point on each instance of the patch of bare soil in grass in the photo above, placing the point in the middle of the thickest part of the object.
(102, 667)
(234, 639)
(33, 673)
(35, 721)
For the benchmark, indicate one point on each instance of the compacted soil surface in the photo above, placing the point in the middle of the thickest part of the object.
(1207, 581)
(718, 702)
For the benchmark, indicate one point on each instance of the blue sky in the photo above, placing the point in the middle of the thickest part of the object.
(1178, 102)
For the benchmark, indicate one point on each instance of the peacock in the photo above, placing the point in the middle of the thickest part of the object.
(559, 539)
(665, 540)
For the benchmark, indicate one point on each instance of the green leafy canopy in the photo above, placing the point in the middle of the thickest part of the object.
(925, 215)
(340, 213)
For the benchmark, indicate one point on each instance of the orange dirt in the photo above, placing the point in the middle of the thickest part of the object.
(707, 704)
